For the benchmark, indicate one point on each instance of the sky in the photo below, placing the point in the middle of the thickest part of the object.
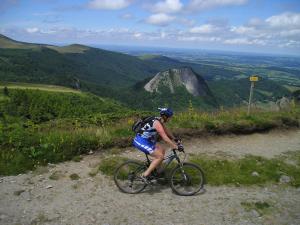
(262, 26)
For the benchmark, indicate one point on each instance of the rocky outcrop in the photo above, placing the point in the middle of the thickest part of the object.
(173, 78)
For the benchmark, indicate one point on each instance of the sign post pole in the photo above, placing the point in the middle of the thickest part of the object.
(252, 79)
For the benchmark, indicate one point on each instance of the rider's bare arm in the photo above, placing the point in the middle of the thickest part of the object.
(161, 131)
(168, 132)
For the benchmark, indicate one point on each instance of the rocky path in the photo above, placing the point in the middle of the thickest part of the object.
(34, 198)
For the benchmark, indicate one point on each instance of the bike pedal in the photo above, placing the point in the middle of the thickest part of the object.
(153, 181)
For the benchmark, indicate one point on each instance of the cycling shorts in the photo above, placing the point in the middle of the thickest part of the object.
(144, 144)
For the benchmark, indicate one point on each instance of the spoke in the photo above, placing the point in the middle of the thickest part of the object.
(126, 179)
(187, 180)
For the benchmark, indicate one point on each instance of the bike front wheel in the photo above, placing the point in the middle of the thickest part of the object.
(127, 179)
(187, 179)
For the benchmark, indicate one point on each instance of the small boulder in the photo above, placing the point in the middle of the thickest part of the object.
(2, 216)
(285, 179)
(255, 174)
(19, 192)
(254, 213)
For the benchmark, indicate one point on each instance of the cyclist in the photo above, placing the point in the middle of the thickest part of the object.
(146, 141)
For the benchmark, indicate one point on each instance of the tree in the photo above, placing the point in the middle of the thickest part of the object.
(5, 91)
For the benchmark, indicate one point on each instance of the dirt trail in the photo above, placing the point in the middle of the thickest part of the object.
(33, 198)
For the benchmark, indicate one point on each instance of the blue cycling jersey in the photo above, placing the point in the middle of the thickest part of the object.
(146, 141)
(148, 131)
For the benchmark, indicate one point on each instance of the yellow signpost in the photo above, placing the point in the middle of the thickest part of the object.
(253, 79)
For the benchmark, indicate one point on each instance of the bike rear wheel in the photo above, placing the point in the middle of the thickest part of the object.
(187, 179)
(127, 179)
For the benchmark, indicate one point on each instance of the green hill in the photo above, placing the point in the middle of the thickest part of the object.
(6, 42)
(25, 62)
(40, 105)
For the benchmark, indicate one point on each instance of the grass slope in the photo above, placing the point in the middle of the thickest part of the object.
(42, 87)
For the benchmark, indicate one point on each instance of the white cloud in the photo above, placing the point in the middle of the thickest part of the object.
(137, 35)
(199, 39)
(255, 33)
(168, 6)
(109, 4)
(291, 33)
(32, 30)
(243, 29)
(204, 29)
(244, 41)
(160, 19)
(238, 41)
(209, 4)
(288, 20)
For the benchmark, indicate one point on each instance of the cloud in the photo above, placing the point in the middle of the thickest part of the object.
(160, 19)
(198, 5)
(204, 29)
(109, 4)
(167, 6)
(243, 30)
(285, 20)
(137, 35)
(199, 39)
(275, 31)
(32, 30)
(254, 34)
(244, 41)
(238, 41)
(277, 28)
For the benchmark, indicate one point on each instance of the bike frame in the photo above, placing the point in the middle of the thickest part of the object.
(169, 160)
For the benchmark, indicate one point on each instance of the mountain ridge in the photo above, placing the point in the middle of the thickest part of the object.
(26, 62)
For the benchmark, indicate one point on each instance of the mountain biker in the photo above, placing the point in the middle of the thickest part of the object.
(146, 141)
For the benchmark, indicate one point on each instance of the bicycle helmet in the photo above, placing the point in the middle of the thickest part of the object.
(166, 111)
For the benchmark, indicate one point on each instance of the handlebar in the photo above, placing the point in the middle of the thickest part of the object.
(180, 148)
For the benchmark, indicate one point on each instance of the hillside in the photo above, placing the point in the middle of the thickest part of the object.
(45, 103)
(25, 62)
(6, 42)
(236, 92)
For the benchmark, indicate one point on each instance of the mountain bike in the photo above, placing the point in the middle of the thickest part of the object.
(185, 178)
